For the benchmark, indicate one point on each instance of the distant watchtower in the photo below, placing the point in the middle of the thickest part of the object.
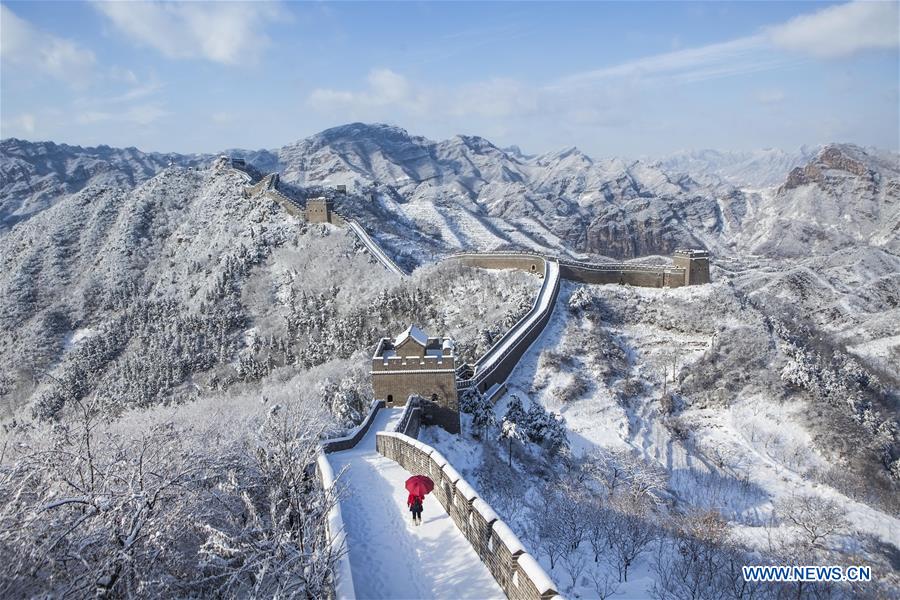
(413, 363)
(318, 210)
(695, 264)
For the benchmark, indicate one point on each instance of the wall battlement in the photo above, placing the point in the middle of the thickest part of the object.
(690, 267)
(695, 264)
(414, 364)
(515, 570)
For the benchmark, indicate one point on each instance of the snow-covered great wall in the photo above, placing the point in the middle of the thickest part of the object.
(373, 248)
(463, 549)
(498, 362)
(514, 569)
(364, 543)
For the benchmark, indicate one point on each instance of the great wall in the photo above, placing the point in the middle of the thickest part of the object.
(393, 436)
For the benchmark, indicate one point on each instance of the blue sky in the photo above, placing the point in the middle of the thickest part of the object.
(627, 79)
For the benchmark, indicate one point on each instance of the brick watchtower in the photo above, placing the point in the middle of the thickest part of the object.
(318, 210)
(413, 363)
(695, 264)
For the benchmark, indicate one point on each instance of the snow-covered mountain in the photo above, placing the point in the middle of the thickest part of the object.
(478, 195)
(750, 169)
(75, 218)
(157, 298)
(844, 196)
(466, 193)
(33, 175)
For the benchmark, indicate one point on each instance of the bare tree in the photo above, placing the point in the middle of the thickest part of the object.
(596, 527)
(89, 510)
(698, 562)
(562, 522)
(618, 469)
(817, 518)
(629, 536)
(604, 583)
(575, 562)
(89, 515)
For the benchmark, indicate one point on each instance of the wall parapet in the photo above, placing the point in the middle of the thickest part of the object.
(342, 579)
(337, 537)
(374, 248)
(643, 275)
(516, 571)
(411, 419)
(498, 362)
(357, 433)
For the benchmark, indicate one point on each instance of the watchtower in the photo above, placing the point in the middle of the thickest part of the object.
(414, 363)
(695, 264)
(318, 210)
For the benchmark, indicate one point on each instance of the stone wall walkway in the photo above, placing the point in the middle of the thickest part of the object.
(389, 556)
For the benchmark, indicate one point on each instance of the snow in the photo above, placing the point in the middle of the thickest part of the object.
(466, 491)
(506, 535)
(765, 450)
(390, 557)
(542, 305)
(452, 474)
(438, 458)
(365, 423)
(375, 248)
(882, 348)
(534, 571)
(484, 509)
(343, 585)
(413, 332)
(76, 337)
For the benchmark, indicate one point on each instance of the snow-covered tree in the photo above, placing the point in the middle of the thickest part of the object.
(511, 425)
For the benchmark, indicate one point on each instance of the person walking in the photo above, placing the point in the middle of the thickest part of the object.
(417, 486)
(415, 507)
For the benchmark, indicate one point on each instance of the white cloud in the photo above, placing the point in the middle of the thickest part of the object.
(27, 122)
(734, 57)
(137, 92)
(142, 114)
(770, 96)
(21, 126)
(609, 96)
(23, 45)
(841, 30)
(223, 117)
(494, 98)
(385, 88)
(224, 32)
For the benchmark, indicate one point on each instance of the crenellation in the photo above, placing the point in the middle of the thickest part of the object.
(501, 551)
(414, 364)
(695, 264)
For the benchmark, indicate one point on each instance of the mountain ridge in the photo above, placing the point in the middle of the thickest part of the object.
(483, 197)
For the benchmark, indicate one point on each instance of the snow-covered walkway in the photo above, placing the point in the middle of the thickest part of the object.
(376, 249)
(389, 556)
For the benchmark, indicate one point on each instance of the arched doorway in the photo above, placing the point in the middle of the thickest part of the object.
(390, 399)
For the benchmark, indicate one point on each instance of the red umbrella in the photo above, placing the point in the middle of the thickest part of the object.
(419, 485)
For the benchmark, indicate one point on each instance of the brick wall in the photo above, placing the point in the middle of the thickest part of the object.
(615, 273)
(342, 582)
(401, 386)
(342, 577)
(625, 274)
(350, 440)
(515, 570)
(411, 419)
(524, 334)
(533, 263)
